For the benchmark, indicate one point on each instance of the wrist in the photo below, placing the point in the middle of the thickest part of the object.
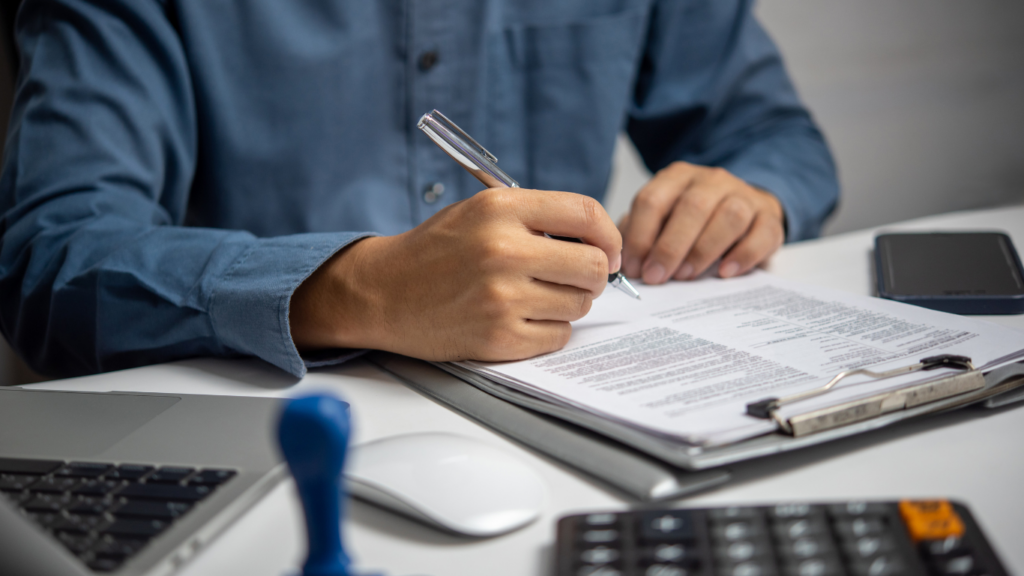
(336, 306)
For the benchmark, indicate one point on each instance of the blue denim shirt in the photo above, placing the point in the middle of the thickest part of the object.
(174, 169)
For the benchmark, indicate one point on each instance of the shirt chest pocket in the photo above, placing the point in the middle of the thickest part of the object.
(557, 95)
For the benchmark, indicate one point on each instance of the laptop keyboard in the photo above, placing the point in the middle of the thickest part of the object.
(105, 513)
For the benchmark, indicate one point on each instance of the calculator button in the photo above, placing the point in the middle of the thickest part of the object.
(930, 519)
(961, 565)
(600, 519)
(793, 529)
(671, 553)
(868, 547)
(734, 513)
(858, 509)
(806, 547)
(883, 565)
(741, 551)
(751, 568)
(600, 555)
(739, 530)
(598, 571)
(667, 525)
(599, 536)
(828, 566)
(858, 527)
(793, 511)
(666, 570)
(951, 546)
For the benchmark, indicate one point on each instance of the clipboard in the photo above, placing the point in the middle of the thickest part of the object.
(649, 468)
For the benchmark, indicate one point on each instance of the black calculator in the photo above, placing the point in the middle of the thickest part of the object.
(909, 537)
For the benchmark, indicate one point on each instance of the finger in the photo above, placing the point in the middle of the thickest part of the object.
(764, 238)
(570, 215)
(568, 263)
(648, 214)
(547, 301)
(730, 222)
(525, 339)
(690, 216)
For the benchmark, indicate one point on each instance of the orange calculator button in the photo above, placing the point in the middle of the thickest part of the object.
(930, 519)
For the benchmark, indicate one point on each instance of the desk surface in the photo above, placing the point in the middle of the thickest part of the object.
(911, 461)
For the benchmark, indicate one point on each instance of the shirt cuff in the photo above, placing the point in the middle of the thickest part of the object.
(249, 305)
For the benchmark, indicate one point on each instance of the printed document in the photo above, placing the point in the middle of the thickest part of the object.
(684, 361)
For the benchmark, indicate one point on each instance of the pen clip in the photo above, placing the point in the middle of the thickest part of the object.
(465, 150)
(446, 123)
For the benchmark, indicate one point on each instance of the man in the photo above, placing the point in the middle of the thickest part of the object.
(187, 177)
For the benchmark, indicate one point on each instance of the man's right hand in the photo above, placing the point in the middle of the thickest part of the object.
(478, 280)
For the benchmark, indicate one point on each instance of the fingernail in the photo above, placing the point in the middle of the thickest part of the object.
(615, 265)
(654, 274)
(728, 269)
(685, 271)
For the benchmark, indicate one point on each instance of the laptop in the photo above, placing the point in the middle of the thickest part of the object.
(126, 484)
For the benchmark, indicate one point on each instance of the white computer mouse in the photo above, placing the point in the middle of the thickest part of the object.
(448, 481)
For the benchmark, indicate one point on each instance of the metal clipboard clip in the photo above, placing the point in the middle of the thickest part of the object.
(854, 411)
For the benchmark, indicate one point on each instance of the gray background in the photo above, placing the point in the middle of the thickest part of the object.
(921, 100)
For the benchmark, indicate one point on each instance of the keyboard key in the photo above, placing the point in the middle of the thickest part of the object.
(667, 525)
(16, 481)
(89, 506)
(45, 503)
(27, 466)
(77, 524)
(113, 546)
(94, 487)
(152, 509)
(77, 543)
(136, 528)
(83, 469)
(169, 475)
(46, 519)
(103, 564)
(165, 492)
(216, 477)
(54, 484)
(129, 472)
(602, 519)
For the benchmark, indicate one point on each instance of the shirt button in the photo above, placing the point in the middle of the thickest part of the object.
(433, 192)
(428, 60)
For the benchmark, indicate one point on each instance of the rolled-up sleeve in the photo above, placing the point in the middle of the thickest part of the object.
(712, 90)
(97, 270)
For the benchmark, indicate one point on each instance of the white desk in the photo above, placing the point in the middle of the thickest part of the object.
(973, 456)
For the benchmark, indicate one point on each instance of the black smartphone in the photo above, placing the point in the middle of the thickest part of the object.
(958, 272)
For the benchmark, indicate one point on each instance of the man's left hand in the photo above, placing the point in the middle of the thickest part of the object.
(689, 216)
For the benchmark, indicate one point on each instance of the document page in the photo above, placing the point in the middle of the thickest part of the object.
(685, 360)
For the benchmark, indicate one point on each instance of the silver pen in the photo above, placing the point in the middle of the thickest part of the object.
(484, 166)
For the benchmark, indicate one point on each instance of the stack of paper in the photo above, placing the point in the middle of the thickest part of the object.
(684, 362)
